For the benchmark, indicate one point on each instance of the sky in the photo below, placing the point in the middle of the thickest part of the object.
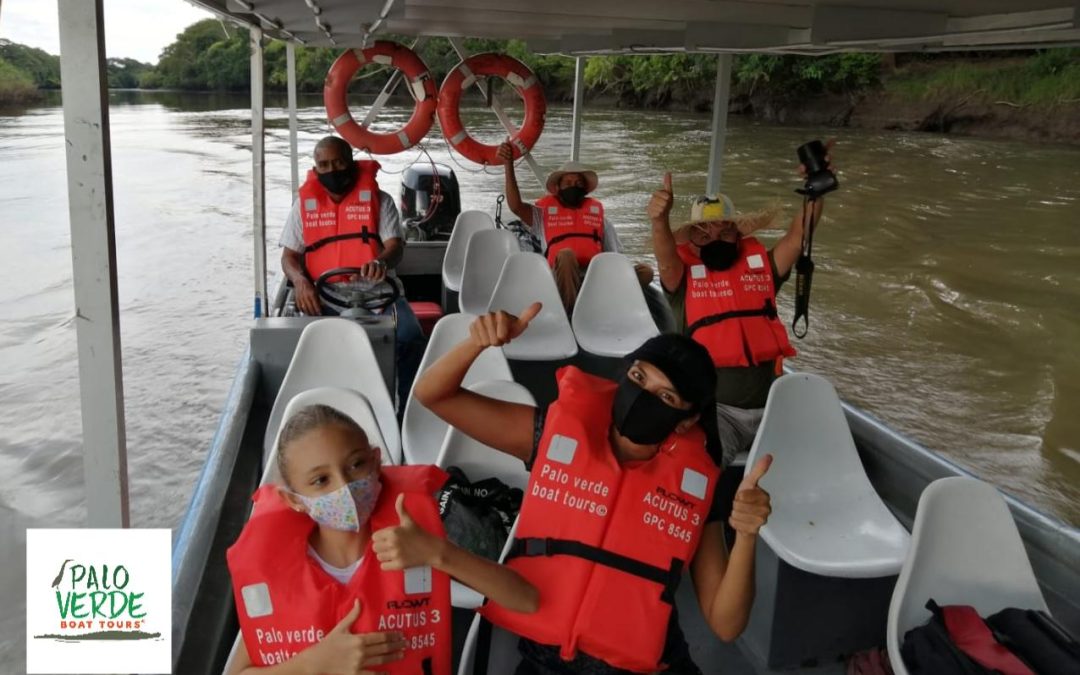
(137, 29)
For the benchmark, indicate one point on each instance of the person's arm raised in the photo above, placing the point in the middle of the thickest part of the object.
(521, 209)
(409, 545)
(667, 258)
(725, 586)
(499, 424)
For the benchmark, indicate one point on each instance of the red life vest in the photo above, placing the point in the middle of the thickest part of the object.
(580, 230)
(287, 602)
(605, 544)
(733, 312)
(330, 229)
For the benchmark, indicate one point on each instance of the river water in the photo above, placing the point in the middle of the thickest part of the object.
(946, 298)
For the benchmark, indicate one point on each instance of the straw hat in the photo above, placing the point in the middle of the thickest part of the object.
(572, 167)
(713, 209)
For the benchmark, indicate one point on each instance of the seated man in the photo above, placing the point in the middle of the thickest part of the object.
(721, 284)
(342, 219)
(570, 224)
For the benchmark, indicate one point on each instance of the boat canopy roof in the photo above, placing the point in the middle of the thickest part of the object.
(574, 27)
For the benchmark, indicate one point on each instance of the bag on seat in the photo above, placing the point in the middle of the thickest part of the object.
(478, 516)
(1035, 637)
(928, 649)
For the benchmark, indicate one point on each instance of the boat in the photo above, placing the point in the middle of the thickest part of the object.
(898, 469)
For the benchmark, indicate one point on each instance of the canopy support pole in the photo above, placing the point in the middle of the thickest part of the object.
(294, 159)
(719, 123)
(579, 95)
(258, 173)
(93, 261)
(459, 46)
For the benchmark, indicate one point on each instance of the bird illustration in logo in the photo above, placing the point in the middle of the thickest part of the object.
(60, 574)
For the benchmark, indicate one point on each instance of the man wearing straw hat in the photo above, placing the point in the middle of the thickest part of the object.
(569, 222)
(721, 283)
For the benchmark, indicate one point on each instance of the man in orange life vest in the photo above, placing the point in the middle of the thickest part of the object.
(570, 224)
(721, 284)
(620, 502)
(341, 198)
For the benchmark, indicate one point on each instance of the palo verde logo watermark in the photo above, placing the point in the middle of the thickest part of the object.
(98, 599)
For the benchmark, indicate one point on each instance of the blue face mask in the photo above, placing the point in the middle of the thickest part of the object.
(346, 508)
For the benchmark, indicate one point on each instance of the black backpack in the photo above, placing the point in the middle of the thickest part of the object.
(478, 516)
(1036, 638)
(928, 650)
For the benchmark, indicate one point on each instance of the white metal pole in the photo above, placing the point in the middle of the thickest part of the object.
(258, 172)
(496, 107)
(93, 261)
(719, 123)
(579, 95)
(294, 159)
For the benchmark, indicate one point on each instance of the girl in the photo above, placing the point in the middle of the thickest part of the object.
(344, 567)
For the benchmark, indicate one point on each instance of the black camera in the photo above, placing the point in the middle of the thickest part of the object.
(819, 180)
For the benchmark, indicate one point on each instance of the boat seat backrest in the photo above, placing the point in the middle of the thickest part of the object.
(827, 519)
(525, 279)
(336, 352)
(965, 550)
(484, 259)
(480, 461)
(467, 224)
(422, 432)
(350, 402)
(611, 317)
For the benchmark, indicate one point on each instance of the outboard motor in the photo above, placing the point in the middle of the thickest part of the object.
(430, 201)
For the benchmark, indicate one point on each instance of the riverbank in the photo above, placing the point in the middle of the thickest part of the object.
(1018, 99)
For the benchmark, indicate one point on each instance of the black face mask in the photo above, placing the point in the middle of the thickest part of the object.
(339, 182)
(572, 196)
(641, 416)
(719, 255)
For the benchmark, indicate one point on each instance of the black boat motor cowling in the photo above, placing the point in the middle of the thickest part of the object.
(430, 201)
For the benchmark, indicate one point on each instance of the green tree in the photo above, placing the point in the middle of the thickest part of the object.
(42, 68)
(126, 73)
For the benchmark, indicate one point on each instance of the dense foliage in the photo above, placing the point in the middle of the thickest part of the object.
(212, 56)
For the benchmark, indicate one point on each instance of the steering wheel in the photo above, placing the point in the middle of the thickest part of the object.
(361, 294)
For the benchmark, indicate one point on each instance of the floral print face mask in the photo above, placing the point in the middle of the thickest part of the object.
(346, 508)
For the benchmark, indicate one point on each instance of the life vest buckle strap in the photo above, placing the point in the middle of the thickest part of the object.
(768, 311)
(363, 235)
(546, 546)
(594, 235)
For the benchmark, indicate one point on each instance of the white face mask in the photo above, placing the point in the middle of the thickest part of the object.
(346, 508)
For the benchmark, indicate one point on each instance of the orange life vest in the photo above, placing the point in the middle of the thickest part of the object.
(581, 229)
(287, 602)
(330, 229)
(733, 312)
(605, 544)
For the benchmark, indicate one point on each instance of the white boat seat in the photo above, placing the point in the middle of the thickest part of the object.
(351, 403)
(525, 279)
(611, 317)
(480, 461)
(826, 517)
(965, 550)
(422, 432)
(336, 352)
(484, 259)
(467, 224)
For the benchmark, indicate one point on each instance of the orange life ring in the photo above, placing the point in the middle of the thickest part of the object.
(463, 76)
(421, 86)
